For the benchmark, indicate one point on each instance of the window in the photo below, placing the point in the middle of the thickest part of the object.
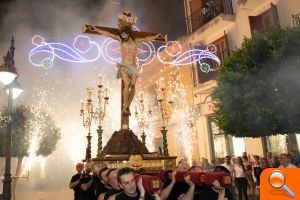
(277, 144)
(219, 141)
(266, 19)
(296, 20)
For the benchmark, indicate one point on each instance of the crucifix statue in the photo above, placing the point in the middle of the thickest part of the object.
(127, 68)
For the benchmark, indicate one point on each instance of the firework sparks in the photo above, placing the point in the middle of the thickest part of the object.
(36, 124)
(183, 115)
(42, 161)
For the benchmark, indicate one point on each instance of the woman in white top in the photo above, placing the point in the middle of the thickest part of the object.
(239, 174)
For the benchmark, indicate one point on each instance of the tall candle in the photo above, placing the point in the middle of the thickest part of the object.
(106, 93)
(170, 97)
(100, 79)
(82, 105)
(158, 94)
(89, 92)
(162, 83)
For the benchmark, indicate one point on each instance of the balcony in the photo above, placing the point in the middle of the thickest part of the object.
(296, 20)
(210, 11)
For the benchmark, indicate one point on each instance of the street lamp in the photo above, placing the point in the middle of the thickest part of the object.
(8, 71)
(15, 87)
(8, 74)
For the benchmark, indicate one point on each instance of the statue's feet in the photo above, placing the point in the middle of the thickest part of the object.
(126, 112)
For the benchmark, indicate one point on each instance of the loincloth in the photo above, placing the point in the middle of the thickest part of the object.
(130, 69)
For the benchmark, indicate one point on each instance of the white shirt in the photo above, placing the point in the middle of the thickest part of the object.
(239, 172)
(290, 165)
(229, 167)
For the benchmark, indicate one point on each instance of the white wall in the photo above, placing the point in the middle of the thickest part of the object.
(285, 10)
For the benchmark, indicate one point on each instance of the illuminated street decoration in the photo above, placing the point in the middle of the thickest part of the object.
(43, 54)
(84, 50)
(175, 56)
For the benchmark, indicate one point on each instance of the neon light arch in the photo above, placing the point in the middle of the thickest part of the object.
(62, 51)
(180, 58)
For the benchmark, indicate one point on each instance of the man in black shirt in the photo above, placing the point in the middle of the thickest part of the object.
(216, 192)
(113, 182)
(87, 185)
(74, 183)
(131, 189)
(101, 186)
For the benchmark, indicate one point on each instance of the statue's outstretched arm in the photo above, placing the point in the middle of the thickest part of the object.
(150, 38)
(100, 31)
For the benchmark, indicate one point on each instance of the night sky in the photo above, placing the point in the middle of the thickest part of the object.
(165, 16)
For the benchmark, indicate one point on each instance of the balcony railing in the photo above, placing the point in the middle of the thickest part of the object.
(296, 20)
(208, 11)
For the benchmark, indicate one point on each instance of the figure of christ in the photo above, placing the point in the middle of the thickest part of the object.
(127, 68)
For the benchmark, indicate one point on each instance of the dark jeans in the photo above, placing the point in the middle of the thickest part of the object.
(241, 185)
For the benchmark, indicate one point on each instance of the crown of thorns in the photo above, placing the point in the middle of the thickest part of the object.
(126, 21)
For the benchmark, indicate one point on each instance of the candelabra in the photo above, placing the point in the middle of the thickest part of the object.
(143, 117)
(89, 114)
(100, 113)
(87, 117)
(165, 102)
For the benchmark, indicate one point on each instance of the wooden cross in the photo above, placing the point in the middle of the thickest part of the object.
(115, 31)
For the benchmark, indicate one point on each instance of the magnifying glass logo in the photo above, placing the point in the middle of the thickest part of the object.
(277, 180)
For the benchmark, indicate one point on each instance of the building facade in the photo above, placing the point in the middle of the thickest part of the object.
(225, 23)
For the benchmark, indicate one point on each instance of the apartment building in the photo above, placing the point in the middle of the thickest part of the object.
(224, 23)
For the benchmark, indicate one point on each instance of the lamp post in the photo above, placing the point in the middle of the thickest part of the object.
(143, 117)
(165, 102)
(8, 74)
